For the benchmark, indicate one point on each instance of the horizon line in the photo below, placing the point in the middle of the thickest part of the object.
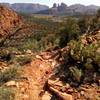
(49, 5)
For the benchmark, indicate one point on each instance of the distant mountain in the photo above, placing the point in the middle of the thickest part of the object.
(57, 9)
(78, 8)
(75, 9)
(26, 7)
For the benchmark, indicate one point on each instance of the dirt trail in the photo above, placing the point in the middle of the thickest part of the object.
(37, 73)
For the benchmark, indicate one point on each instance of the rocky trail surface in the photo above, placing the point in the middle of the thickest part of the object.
(39, 81)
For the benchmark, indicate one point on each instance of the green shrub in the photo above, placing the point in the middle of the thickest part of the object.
(5, 55)
(69, 32)
(85, 57)
(9, 74)
(82, 62)
(76, 73)
(6, 94)
(22, 60)
(88, 24)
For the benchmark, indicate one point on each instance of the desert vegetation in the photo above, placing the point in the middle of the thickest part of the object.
(45, 48)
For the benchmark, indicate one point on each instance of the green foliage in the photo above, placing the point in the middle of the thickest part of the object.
(5, 55)
(84, 23)
(39, 42)
(82, 53)
(89, 24)
(22, 60)
(98, 13)
(6, 94)
(9, 74)
(82, 62)
(76, 27)
(30, 44)
(76, 73)
(48, 31)
(70, 32)
(40, 35)
(86, 58)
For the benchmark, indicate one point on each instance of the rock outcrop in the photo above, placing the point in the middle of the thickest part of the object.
(9, 20)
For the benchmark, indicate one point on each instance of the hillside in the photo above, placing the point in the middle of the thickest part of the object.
(64, 73)
(9, 20)
(44, 59)
(51, 75)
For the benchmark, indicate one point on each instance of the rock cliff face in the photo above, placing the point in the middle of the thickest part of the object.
(9, 20)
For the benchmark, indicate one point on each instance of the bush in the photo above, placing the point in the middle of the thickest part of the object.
(22, 60)
(9, 74)
(88, 24)
(6, 94)
(5, 55)
(70, 32)
(82, 62)
(85, 58)
(84, 53)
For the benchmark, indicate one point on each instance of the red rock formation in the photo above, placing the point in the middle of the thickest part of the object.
(9, 20)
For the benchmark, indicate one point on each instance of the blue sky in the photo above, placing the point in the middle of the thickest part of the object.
(50, 2)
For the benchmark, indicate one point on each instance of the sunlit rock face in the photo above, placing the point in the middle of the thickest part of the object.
(9, 20)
